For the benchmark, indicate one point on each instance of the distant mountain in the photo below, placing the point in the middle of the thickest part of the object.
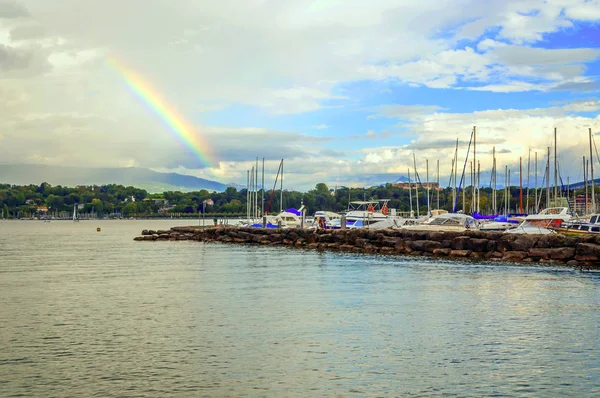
(401, 179)
(147, 179)
(581, 184)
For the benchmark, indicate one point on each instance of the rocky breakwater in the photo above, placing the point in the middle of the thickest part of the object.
(577, 251)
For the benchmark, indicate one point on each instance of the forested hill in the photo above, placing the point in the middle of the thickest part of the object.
(114, 200)
(147, 179)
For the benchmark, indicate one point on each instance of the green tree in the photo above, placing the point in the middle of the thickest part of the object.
(54, 202)
(20, 199)
(322, 188)
(5, 211)
(98, 206)
(129, 209)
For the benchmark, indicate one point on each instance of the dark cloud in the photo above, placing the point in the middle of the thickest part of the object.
(12, 58)
(22, 61)
(26, 32)
(11, 9)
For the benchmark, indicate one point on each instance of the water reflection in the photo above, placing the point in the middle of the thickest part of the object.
(87, 313)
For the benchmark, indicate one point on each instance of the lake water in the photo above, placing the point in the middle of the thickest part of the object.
(86, 313)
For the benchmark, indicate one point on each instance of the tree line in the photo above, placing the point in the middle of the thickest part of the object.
(127, 201)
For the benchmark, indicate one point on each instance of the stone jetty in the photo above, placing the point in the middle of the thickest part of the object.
(575, 251)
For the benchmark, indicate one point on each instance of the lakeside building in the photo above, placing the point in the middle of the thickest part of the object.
(413, 185)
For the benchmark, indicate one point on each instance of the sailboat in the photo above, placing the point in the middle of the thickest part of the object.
(75, 213)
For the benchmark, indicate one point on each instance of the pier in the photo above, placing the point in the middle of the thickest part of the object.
(581, 252)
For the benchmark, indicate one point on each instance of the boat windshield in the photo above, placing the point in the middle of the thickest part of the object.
(542, 223)
(553, 210)
(444, 221)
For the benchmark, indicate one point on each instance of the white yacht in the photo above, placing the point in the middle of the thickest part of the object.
(446, 222)
(289, 219)
(367, 213)
(542, 223)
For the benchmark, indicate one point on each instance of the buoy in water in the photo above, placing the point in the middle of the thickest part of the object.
(98, 229)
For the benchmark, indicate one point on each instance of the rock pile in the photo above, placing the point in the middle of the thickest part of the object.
(577, 251)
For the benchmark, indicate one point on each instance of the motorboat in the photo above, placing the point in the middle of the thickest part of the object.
(579, 227)
(497, 226)
(542, 223)
(446, 222)
(289, 218)
(367, 213)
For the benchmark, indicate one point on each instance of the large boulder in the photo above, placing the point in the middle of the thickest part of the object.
(460, 253)
(505, 242)
(443, 252)
(479, 245)
(590, 251)
(514, 255)
(461, 243)
(556, 253)
(524, 243)
(424, 245)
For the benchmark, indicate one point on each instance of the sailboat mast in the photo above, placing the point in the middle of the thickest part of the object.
(416, 183)
(555, 170)
(252, 183)
(438, 184)
(548, 180)
(248, 196)
(528, 173)
(520, 185)
(474, 163)
(585, 178)
(471, 169)
(494, 180)
(506, 190)
(592, 173)
(281, 193)
(256, 190)
(410, 193)
(455, 172)
(453, 184)
(262, 194)
(536, 185)
(478, 186)
(427, 179)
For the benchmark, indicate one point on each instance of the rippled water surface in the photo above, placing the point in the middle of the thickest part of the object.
(86, 313)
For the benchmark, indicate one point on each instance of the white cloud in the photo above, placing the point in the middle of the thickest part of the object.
(513, 132)
(584, 10)
(283, 57)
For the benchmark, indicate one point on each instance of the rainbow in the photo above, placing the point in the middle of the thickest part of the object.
(176, 123)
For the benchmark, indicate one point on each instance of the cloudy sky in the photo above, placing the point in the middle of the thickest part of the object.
(345, 91)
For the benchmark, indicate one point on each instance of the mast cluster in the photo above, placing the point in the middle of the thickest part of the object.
(530, 195)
